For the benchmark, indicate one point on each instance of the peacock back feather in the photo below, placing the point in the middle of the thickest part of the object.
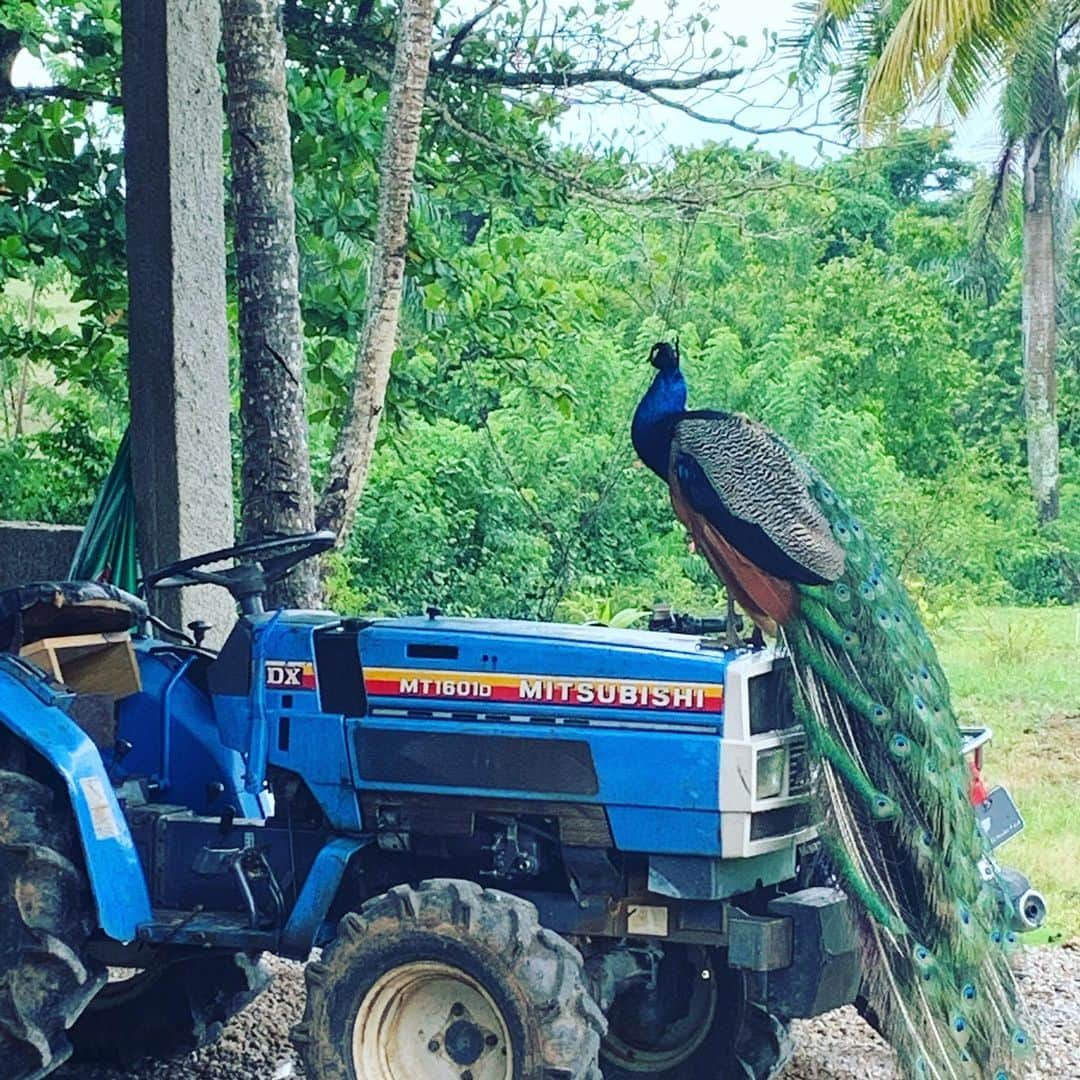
(900, 827)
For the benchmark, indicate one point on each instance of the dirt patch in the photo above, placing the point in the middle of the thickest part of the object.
(1057, 736)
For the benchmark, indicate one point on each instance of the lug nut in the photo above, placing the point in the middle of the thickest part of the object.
(433, 1046)
(457, 1008)
(491, 1040)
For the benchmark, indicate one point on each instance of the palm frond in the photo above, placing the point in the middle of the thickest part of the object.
(1069, 145)
(949, 45)
(1004, 172)
(1032, 100)
(817, 44)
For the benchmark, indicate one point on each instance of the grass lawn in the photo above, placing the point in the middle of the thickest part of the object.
(1018, 671)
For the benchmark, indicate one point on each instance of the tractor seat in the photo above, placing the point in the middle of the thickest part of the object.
(64, 609)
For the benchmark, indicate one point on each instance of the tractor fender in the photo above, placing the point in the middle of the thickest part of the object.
(32, 711)
(320, 890)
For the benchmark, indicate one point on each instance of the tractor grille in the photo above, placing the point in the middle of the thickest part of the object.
(779, 822)
(798, 766)
(771, 705)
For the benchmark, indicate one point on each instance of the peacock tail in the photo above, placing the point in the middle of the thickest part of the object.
(897, 818)
(899, 825)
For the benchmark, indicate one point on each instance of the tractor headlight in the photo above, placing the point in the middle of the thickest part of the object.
(770, 772)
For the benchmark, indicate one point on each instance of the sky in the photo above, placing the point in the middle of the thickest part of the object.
(655, 127)
(651, 128)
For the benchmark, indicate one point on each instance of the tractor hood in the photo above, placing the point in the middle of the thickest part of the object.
(523, 667)
(589, 634)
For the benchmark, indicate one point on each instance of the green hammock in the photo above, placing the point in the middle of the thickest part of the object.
(108, 550)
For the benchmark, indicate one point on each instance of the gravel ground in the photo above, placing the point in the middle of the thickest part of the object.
(255, 1045)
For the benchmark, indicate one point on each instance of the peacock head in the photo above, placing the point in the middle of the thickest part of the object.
(665, 356)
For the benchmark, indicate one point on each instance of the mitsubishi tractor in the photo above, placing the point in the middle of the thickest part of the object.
(505, 850)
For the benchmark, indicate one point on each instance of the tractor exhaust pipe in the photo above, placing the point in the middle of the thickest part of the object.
(1030, 911)
(1026, 906)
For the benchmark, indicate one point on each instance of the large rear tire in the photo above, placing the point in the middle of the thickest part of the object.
(167, 1011)
(448, 981)
(45, 919)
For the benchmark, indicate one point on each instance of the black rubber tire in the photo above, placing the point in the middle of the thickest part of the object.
(744, 1042)
(869, 1014)
(168, 1011)
(46, 917)
(533, 976)
(764, 1045)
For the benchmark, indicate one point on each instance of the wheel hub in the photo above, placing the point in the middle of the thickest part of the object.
(429, 1019)
(464, 1042)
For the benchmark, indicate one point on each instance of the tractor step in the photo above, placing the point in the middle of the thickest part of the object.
(218, 930)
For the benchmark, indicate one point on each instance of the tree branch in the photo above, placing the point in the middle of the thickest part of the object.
(684, 199)
(467, 28)
(519, 80)
(750, 129)
(370, 47)
(22, 95)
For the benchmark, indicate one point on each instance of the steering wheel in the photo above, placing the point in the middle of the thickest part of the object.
(264, 562)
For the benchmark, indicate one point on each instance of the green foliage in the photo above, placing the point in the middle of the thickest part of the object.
(63, 288)
(854, 307)
(897, 383)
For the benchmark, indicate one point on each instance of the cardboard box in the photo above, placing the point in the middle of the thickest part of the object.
(89, 663)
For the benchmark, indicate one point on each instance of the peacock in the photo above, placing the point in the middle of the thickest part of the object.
(899, 827)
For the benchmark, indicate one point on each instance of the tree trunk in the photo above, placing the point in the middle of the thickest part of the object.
(1040, 326)
(356, 441)
(276, 474)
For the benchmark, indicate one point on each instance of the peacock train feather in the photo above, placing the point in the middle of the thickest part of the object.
(899, 825)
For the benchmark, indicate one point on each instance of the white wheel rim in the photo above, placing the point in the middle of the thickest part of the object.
(432, 1021)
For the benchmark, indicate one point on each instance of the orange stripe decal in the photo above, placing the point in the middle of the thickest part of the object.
(545, 690)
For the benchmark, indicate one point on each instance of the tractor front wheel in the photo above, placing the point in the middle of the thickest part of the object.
(447, 981)
(46, 917)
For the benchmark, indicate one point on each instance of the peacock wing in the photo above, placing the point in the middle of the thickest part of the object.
(741, 478)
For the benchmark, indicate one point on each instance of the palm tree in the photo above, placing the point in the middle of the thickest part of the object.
(904, 55)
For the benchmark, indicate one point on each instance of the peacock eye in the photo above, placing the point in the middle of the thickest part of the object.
(879, 716)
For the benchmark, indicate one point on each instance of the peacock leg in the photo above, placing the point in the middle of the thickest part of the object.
(731, 633)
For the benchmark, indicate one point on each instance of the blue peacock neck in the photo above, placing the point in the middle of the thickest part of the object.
(664, 402)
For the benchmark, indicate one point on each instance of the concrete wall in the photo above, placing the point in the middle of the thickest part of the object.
(32, 551)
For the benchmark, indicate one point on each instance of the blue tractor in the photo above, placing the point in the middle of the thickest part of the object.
(524, 851)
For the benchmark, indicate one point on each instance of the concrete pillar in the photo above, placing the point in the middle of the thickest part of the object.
(32, 551)
(178, 357)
